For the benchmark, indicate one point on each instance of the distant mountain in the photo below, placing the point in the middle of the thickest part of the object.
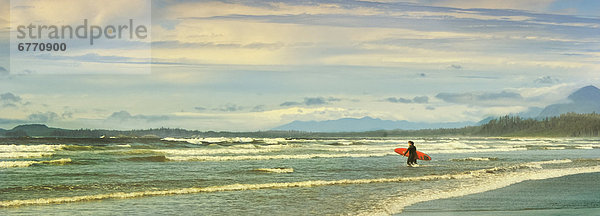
(34, 130)
(364, 124)
(584, 100)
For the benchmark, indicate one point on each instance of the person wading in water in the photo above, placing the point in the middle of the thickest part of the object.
(412, 154)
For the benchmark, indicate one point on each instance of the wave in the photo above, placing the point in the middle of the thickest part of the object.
(77, 148)
(28, 151)
(554, 148)
(199, 154)
(30, 148)
(212, 140)
(25, 154)
(397, 204)
(275, 170)
(475, 159)
(133, 152)
(482, 179)
(271, 157)
(12, 164)
(148, 159)
(195, 151)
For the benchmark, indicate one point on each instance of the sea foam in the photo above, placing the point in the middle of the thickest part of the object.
(271, 157)
(483, 180)
(275, 170)
(11, 164)
(28, 151)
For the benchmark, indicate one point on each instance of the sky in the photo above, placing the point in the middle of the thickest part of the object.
(255, 65)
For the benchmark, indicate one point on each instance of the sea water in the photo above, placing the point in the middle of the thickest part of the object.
(232, 176)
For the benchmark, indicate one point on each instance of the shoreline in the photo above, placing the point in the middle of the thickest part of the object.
(566, 195)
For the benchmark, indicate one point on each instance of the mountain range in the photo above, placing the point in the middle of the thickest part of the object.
(364, 124)
(584, 100)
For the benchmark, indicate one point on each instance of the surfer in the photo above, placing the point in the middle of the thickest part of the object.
(412, 154)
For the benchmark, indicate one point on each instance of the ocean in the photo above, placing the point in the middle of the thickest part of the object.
(329, 176)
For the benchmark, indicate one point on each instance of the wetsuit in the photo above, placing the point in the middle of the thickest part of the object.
(412, 155)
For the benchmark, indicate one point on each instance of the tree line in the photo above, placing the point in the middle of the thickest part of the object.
(565, 125)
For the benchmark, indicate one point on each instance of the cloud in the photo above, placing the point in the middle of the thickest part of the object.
(546, 80)
(457, 67)
(4, 121)
(504, 98)
(314, 101)
(311, 101)
(200, 108)
(43, 117)
(259, 108)
(290, 103)
(418, 99)
(171, 44)
(10, 98)
(67, 114)
(9, 105)
(494, 4)
(229, 108)
(421, 99)
(398, 100)
(3, 71)
(126, 116)
(95, 57)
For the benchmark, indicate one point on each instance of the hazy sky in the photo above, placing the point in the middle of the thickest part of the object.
(254, 65)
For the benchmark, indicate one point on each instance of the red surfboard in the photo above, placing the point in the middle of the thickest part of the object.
(420, 155)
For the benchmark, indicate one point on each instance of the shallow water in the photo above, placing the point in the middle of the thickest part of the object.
(569, 195)
(269, 176)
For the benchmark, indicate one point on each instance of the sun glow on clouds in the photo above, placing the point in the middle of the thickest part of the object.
(250, 54)
(220, 33)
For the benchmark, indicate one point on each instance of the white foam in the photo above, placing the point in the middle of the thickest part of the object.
(554, 148)
(212, 140)
(275, 170)
(483, 180)
(11, 164)
(28, 151)
(206, 151)
(25, 154)
(30, 148)
(221, 188)
(271, 157)
(478, 185)
(453, 151)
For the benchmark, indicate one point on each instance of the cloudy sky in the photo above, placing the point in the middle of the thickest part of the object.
(254, 65)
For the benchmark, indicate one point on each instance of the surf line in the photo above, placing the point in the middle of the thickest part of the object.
(243, 187)
(396, 205)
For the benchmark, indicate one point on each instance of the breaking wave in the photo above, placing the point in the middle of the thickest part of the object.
(271, 157)
(196, 151)
(493, 181)
(275, 170)
(25, 154)
(483, 180)
(28, 151)
(148, 159)
(30, 148)
(11, 164)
